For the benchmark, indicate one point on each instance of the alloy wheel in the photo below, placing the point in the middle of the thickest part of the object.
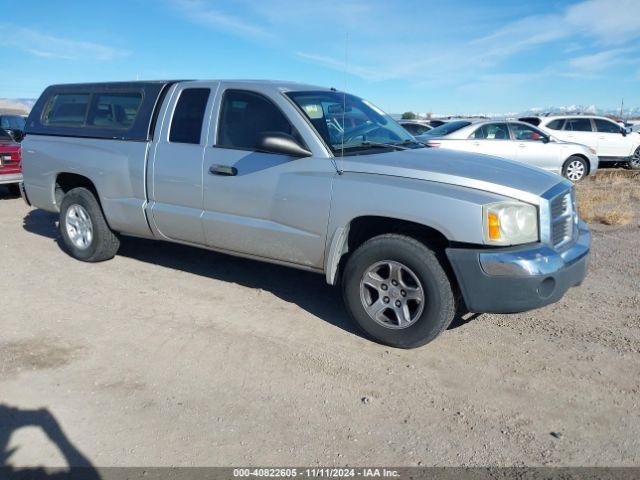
(392, 294)
(79, 227)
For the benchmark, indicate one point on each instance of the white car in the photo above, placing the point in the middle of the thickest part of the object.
(612, 143)
(517, 141)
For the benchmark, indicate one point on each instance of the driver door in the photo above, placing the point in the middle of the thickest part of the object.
(268, 205)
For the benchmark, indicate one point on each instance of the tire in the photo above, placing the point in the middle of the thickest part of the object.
(14, 189)
(575, 169)
(423, 270)
(634, 163)
(81, 213)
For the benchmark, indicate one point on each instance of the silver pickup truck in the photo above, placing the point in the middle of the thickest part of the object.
(311, 178)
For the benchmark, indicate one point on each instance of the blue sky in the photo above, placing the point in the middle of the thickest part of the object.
(486, 56)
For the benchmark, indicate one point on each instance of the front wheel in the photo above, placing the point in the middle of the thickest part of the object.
(84, 229)
(397, 291)
(575, 169)
(634, 163)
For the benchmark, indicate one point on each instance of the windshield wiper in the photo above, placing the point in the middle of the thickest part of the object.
(397, 146)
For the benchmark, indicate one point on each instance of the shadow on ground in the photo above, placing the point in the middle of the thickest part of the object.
(307, 290)
(12, 419)
(7, 193)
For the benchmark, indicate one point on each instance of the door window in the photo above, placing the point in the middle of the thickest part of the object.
(186, 125)
(578, 125)
(491, 131)
(527, 133)
(605, 126)
(244, 116)
(556, 124)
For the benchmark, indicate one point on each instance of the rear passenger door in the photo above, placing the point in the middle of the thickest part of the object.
(579, 130)
(176, 187)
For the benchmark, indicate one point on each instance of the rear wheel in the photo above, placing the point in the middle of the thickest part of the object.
(575, 169)
(84, 229)
(397, 291)
(634, 163)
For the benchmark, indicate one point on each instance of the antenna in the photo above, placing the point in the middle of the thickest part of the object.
(344, 101)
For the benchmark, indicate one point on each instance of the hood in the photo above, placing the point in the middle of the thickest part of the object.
(481, 172)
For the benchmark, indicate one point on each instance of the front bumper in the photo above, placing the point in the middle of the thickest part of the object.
(517, 279)
(9, 178)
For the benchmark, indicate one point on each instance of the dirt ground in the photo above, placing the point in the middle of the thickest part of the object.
(169, 355)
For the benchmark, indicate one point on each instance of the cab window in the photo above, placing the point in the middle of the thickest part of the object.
(245, 116)
(186, 125)
(491, 131)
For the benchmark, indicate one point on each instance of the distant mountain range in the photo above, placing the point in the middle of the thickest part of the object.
(22, 106)
(628, 113)
(16, 106)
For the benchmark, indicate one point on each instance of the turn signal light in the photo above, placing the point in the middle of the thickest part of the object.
(494, 226)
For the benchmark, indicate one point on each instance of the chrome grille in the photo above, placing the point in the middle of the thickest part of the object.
(563, 216)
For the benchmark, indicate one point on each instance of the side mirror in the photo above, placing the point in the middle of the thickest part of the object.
(546, 139)
(623, 131)
(281, 143)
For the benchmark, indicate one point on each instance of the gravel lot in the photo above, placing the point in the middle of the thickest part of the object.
(169, 355)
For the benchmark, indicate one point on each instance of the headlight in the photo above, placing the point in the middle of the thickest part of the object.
(510, 223)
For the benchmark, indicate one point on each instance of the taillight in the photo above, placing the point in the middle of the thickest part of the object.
(17, 156)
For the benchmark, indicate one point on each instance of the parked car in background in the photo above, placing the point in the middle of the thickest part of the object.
(311, 178)
(517, 141)
(612, 143)
(10, 162)
(415, 127)
(13, 125)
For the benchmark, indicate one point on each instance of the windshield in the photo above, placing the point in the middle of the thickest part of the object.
(12, 122)
(344, 118)
(447, 128)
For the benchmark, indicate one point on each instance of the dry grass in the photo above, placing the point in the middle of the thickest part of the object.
(610, 197)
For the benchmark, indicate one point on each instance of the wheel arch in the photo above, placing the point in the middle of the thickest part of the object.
(66, 181)
(349, 237)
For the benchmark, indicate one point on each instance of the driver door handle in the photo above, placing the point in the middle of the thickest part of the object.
(223, 170)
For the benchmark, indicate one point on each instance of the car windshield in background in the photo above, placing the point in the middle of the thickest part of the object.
(12, 122)
(349, 121)
(447, 128)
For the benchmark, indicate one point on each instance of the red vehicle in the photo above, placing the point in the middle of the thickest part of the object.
(10, 163)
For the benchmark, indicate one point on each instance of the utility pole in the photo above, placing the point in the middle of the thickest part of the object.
(621, 108)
